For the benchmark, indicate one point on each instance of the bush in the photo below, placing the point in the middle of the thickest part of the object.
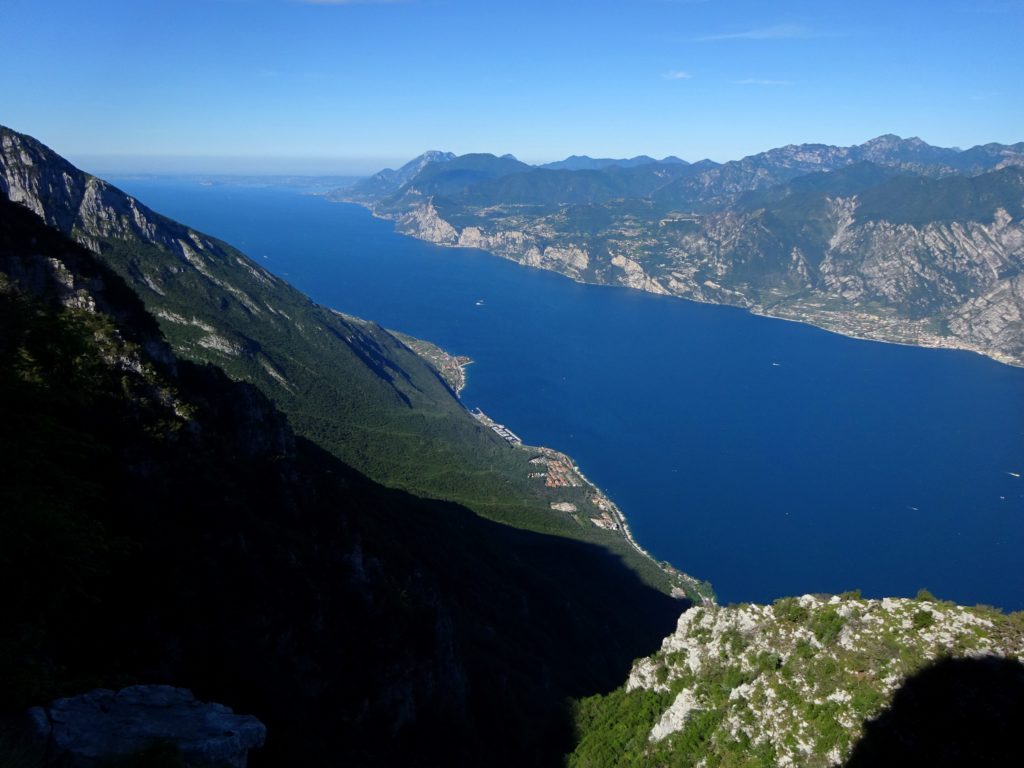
(827, 625)
(767, 661)
(789, 609)
(613, 729)
(923, 619)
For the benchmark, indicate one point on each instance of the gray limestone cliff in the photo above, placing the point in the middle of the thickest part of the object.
(893, 240)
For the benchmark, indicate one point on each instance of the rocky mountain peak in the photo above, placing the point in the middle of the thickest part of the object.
(430, 156)
(885, 141)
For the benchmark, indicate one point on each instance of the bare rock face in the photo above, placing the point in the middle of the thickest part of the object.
(104, 724)
(424, 222)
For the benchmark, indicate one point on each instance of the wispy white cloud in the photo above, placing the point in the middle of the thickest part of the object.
(759, 81)
(677, 75)
(773, 32)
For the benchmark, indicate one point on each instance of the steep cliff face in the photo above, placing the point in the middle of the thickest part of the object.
(428, 225)
(925, 270)
(893, 239)
(940, 284)
(793, 683)
(995, 319)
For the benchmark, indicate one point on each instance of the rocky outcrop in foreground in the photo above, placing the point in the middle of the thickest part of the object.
(790, 684)
(104, 724)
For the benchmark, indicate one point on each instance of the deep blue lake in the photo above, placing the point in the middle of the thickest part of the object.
(767, 457)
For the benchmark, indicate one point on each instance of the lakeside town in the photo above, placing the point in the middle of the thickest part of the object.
(557, 470)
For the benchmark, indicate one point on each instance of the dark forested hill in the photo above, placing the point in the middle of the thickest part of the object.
(161, 522)
(346, 384)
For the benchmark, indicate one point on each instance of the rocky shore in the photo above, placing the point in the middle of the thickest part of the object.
(990, 324)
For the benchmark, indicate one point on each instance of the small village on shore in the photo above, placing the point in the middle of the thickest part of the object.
(584, 502)
(558, 470)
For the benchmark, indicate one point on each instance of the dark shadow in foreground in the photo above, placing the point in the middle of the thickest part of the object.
(957, 712)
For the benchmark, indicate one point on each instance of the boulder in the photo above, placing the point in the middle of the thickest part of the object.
(104, 724)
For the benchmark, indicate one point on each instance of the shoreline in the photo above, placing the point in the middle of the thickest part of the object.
(443, 363)
(922, 343)
(610, 516)
(935, 342)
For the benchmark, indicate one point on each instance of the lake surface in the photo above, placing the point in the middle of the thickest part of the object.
(767, 457)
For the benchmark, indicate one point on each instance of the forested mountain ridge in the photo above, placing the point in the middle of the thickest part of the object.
(163, 523)
(893, 239)
(347, 384)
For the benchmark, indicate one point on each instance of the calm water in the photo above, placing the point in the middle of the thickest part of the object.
(768, 457)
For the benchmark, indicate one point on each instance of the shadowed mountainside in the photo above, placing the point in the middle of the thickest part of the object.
(344, 383)
(162, 523)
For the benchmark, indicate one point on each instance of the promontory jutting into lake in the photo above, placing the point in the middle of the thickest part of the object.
(768, 457)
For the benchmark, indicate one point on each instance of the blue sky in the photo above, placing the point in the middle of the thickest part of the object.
(336, 87)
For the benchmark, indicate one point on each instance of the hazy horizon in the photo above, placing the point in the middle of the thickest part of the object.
(310, 80)
(228, 165)
(270, 165)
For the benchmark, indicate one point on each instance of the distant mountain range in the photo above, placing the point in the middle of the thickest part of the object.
(585, 163)
(893, 239)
